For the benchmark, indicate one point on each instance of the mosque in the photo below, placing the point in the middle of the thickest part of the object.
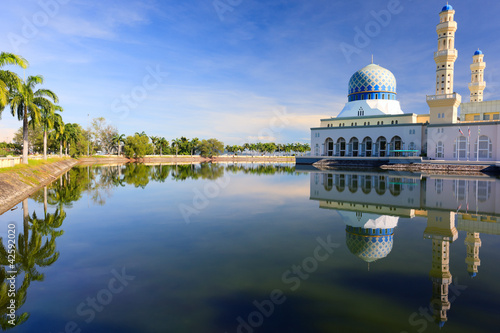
(372, 124)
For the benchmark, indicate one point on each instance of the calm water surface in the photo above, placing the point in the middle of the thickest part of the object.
(254, 248)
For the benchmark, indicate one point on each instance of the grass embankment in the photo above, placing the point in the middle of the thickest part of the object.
(33, 164)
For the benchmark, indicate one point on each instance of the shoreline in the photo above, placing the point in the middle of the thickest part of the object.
(16, 185)
(187, 159)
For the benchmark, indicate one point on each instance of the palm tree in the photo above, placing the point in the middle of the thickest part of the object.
(58, 132)
(69, 136)
(154, 140)
(141, 134)
(26, 104)
(7, 78)
(117, 140)
(48, 118)
(162, 142)
(194, 144)
(176, 143)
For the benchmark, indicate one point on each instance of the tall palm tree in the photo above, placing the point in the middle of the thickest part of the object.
(194, 145)
(57, 133)
(176, 143)
(26, 103)
(154, 140)
(162, 142)
(47, 120)
(69, 136)
(7, 78)
(117, 140)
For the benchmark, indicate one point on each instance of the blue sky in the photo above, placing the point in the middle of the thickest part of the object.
(238, 70)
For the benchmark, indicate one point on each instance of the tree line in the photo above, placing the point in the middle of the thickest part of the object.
(43, 128)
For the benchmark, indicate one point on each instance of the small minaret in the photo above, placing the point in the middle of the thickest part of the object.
(444, 104)
(473, 243)
(477, 83)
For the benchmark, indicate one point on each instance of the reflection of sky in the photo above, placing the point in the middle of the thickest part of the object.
(199, 277)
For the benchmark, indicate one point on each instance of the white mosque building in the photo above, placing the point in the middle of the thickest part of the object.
(372, 124)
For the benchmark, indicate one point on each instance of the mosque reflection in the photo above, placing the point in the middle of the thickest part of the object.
(371, 204)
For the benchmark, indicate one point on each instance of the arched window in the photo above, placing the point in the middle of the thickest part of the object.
(367, 146)
(382, 146)
(329, 147)
(352, 181)
(354, 147)
(395, 186)
(341, 146)
(340, 182)
(484, 146)
(366, 184)
(440, 149)
(396, 144)
(460, 148)
(380, 185)
(328, 182)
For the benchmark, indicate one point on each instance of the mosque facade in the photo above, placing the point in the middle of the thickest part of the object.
(373, 125)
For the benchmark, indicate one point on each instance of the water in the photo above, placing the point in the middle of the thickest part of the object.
(254, 248)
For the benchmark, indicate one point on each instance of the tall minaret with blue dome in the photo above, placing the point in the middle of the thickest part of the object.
(477, 84)
(444, 104)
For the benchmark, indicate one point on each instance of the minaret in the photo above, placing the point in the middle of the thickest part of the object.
(473, 243)
(477, 83)
(444, 104)
(442, 231)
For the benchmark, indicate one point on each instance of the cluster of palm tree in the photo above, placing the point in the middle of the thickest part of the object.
(270, 148)
(32, 106)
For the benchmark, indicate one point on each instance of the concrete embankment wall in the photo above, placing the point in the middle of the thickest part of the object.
(18, 184)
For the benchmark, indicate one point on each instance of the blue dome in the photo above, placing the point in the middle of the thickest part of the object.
(370, 81)
(369, 244)
(478, 52)
(447, 7)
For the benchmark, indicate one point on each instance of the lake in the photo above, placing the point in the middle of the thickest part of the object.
(253, 248)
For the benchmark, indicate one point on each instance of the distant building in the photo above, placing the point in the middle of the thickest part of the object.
(372, 123)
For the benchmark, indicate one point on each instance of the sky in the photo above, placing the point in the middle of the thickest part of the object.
(237, 70)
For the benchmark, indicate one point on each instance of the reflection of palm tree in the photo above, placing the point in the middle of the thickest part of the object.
(5, 300)
(34, 249)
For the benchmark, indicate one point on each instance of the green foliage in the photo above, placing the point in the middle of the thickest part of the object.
(137, 146)
(271, 147)
(210, 147)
